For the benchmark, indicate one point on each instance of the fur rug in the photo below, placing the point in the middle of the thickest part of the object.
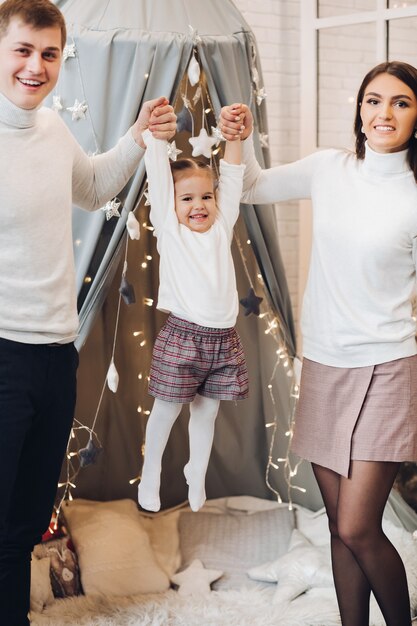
(251, 607)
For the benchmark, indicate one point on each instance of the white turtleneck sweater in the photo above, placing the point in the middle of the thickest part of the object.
(357, 303)
(196, 273)
(43, 171)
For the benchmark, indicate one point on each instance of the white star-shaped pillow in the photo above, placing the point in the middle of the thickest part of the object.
(195, 580)
(202, 144)
(304, 566)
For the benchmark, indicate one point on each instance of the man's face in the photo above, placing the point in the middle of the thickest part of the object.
(30, 61)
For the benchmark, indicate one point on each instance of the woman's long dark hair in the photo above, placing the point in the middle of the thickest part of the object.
(408, 75)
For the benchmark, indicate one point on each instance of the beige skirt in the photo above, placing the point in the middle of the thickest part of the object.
(360, 413)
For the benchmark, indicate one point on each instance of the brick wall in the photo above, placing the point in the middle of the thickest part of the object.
(275, 24)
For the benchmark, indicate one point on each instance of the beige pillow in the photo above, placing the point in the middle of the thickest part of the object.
(114, 551)
(40, 584)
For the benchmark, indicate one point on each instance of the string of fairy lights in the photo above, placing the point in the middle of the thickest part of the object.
(194, 97)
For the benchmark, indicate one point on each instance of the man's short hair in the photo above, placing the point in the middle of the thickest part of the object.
(35, 13)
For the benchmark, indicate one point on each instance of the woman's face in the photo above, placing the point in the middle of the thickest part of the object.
(388, 113)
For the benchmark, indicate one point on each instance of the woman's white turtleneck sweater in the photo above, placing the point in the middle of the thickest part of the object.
(357, 303)
(43, 171)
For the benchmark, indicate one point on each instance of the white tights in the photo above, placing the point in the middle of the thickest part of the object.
(203, 413)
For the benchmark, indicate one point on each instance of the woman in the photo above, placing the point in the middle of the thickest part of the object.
(356, 417)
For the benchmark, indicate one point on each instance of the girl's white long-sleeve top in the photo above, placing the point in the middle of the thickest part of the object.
(357, 307)
(43, 171)
(196, 272)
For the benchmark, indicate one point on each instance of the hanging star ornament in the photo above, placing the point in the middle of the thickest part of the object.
(68, 51)
(260, 95)
(202, 144)
(193, 71)
(184, 120)
(127, 291)
(146, 194)
(263, 140)
(111, 208)
(194, 35)
(57, 104)
(78, 110)
(89, 454)
(251, 303)
(195, 580)
(112, 377)
(133, 227)
(217, 134)
(173, 151)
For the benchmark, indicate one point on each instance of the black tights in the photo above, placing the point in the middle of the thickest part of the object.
(363, 558)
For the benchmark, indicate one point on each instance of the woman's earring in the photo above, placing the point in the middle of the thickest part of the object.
(415, 133)
(363, 131)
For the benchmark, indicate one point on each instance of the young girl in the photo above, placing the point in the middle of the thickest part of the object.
(197, 357)
(356, 416)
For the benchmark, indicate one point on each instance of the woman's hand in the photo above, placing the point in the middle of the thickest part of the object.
(235, 121)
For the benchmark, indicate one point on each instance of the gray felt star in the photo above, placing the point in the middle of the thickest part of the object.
(127, 291)
(89, 454)
(251, 303)
(184, 120)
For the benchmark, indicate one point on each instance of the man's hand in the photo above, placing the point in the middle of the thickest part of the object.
(235, 121)
(157, 115)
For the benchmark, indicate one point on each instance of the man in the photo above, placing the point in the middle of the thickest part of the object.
(43, 171)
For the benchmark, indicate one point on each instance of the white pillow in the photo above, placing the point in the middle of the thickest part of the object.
(304, 566)
(40, 584)
(232, 543)
(114, 551)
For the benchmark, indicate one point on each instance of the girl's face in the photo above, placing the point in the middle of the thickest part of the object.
(388, 113)
(195, 202)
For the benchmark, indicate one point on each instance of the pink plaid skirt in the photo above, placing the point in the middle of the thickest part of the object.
(188, 359)
(359, 413)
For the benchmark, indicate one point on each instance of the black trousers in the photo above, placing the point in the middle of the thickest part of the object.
(37, 401)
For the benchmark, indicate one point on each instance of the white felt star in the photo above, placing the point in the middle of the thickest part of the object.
(132, 226)
(78, 110)
(304, 566)
(193, 71)
(68, 51)
(202, 144)
(173, 151)
(111, 208)
(260, 95)
(217, 134)
(56, 103)
(194, 35)
(195, 580)
(263, 139)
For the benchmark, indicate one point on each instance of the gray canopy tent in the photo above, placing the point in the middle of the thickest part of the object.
(121, 53)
